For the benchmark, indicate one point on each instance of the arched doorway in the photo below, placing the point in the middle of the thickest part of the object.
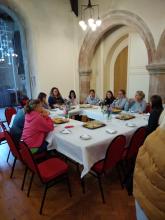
(111, 20)
(14, 74)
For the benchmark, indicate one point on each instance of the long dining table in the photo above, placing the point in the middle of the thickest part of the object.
(88, 152)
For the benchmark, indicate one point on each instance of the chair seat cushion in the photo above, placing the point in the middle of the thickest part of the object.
(52, 168)
(98, 167)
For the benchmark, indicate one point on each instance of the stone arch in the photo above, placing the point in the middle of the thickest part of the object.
(21, 23)
(160, 53)
(111, 19)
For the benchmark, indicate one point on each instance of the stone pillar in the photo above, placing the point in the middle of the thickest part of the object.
(84, 84)
(157, 80)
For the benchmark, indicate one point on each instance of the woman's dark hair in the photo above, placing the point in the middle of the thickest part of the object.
(42, 96)
(156, 101)
(51, 92)
(91, 90)
(31, 105)
(123, 91)
(72, 91)
(23, 101)
(109, 91)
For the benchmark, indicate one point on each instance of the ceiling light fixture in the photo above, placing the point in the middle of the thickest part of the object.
(90, 17)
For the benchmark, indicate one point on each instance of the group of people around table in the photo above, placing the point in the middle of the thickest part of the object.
(32, 124)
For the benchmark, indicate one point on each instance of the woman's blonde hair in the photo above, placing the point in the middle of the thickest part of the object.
(141, 94)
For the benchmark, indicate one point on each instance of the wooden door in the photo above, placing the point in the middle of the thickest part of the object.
(120, 71)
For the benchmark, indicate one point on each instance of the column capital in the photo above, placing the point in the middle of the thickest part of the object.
(156, 68)
(85, 72)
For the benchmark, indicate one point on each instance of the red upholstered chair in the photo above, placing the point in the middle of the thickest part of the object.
(14, 150)
(113, 156)
(148, 108)
(2, 133)
(9, 112)
(50, 171)
(135, 143)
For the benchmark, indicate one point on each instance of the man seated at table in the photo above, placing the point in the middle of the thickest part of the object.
(92, 99)
(121, 101)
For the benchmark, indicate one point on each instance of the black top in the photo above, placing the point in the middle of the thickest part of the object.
(53, 100)
(153, 120)
(108, 101)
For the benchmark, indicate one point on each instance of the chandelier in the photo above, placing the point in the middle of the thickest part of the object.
(90, 17)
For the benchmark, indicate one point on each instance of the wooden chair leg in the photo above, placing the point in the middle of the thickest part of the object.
(8, 156)
(12, 170)
(69, 187)
(23, 182)
(43, 199)
(101, 188)
(30, 184)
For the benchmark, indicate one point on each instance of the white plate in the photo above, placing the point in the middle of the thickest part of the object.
(65, 131)
(111, 131)
(85, 137)
(130, 124)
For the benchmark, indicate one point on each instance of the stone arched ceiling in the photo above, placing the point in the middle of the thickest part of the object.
(110, 20)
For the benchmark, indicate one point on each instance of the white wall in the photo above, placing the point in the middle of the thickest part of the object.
(138, 76)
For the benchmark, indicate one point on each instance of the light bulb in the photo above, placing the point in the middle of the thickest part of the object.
(93, 27)
(81, 23)
(84, 27)
(90, 22)
(98, 22)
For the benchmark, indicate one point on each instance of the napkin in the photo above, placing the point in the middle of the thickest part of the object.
(111, 131)
(65, 131)
(69, 126)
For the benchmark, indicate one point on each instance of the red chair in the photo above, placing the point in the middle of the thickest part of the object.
(148, 108)
(113, 156)
(135, 143)
(2, 133)
(50, 171)
(14, 149)
(9, 112)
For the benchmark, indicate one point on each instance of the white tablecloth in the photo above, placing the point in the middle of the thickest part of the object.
(88, 152)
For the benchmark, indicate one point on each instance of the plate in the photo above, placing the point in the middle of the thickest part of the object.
(85, 137)
(130, 124)
(93, 124)
(111, 131)
(125, 117)
(116, 111)
(85, 106)
(60, 120)
(65, 131)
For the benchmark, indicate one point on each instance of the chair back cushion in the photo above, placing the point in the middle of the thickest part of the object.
(136, 142)
(27, 156)
(114, 152)
(9, 112)
(14, 149)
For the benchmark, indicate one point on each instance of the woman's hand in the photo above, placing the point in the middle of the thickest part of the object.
(45, 113)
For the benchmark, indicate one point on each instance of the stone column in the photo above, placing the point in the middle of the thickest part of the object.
(157, 80)
(84, 84)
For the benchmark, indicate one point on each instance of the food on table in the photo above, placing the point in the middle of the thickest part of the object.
(93, 124)
(59, 120)
(125, 116)
(116, 110)
(85, 106)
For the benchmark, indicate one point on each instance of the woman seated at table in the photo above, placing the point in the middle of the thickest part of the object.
(37, 125)
(18, 122)
(138, 104)
(55, 99)
(157, 108)
(121, 100)
(92, 99)
(109, 98)
(42, 97)
(72, 97)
